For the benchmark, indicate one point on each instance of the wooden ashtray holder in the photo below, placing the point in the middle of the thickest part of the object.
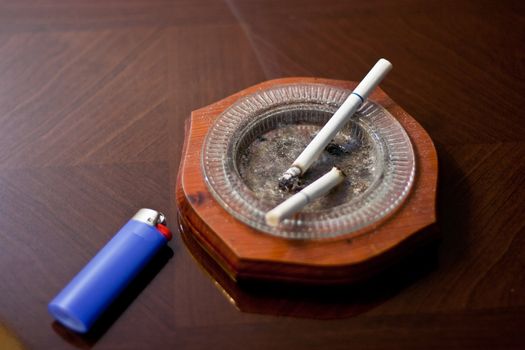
(245, 253)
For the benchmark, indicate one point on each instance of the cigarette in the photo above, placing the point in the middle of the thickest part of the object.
(299, 200)
(336, 122)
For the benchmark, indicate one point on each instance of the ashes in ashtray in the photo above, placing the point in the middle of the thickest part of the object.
(264, 159)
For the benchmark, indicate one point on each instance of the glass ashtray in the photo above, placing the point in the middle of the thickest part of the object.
(255, 140)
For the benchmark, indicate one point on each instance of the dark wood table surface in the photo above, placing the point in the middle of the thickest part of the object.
(93, 99)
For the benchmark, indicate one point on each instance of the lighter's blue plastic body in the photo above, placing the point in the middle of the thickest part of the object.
(100, 282)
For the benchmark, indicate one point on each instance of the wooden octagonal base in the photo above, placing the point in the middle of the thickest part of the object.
(245, 253)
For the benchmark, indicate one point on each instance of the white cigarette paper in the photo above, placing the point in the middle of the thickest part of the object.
(342, 115)
(299, 200)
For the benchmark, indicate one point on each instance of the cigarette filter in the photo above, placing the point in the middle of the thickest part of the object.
(101, 281)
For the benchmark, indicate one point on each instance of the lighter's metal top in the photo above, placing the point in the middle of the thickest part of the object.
(150, 217)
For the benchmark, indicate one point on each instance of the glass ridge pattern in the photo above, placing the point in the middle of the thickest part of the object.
(394, 168)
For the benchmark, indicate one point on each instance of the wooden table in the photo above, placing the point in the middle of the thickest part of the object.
(93, 98)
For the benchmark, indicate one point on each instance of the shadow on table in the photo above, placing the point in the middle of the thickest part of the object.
(88, 340)
(454, 204)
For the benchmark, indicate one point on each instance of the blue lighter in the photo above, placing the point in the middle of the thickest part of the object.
(99, 283)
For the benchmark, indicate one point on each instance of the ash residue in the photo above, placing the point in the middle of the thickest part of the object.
(269, 155)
